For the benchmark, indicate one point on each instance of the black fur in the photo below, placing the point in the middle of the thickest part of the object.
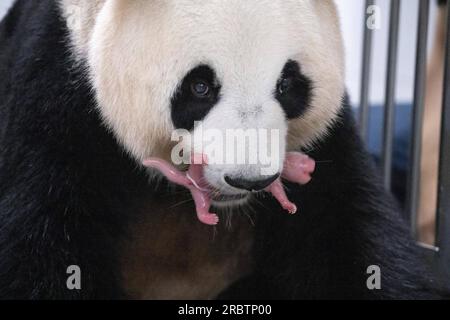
(295, 98)
(187, 108)
(63, 178)
(66, 184)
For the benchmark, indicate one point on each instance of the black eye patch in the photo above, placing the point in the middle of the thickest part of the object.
(195, 97)
(294, 90)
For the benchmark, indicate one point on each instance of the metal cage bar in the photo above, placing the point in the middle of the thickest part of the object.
(389, 109)
(413, 196)
(438, 255)
(443, 216)
(366, 74)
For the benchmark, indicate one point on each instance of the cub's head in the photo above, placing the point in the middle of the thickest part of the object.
(270, 68)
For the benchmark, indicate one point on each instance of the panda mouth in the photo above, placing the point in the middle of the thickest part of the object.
(297, 169)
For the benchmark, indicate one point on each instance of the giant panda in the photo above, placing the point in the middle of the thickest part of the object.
(90, 89)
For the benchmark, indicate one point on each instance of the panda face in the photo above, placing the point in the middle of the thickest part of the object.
(201, 97)
(157, 66)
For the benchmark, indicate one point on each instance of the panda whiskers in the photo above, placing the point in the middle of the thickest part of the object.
(244, 211)
(229, 216)
(215, 194)
(181, 203)
(240, 208)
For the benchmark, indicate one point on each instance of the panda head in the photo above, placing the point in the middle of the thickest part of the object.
(157, 66)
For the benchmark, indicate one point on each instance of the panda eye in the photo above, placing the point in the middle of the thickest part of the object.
(200, 89)
(284, 85)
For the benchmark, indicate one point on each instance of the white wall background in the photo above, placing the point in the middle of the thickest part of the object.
(352, 17)
(4, 5)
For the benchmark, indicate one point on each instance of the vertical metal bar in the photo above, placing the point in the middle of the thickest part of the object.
(389, 109)
(418, 113)
(443, 218)
(365, 74)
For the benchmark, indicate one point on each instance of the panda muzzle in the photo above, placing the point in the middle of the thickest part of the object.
(297, 168)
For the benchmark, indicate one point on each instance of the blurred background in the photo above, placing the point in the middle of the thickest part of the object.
(4, 5)
(352, 21)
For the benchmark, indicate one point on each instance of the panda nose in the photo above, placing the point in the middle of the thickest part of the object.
(251, 185)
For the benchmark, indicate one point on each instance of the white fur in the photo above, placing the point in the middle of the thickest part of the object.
(138, 51)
